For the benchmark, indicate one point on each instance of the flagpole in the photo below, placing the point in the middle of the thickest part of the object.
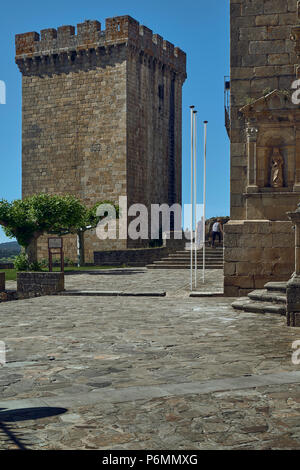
(204, 196)
(195, 192)
(192, 199)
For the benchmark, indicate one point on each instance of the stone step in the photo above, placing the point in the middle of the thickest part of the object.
(200, 252)
(168, 261)
(247, 305)
(207, 255)
(187, 260)
(181, 266)
(181, 259)
(263, 295)
(199, 255)
(276, 286)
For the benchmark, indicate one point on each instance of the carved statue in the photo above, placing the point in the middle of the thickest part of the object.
(277, 169)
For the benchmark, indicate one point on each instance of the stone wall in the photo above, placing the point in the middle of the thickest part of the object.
(263, 60)
(7, 265)
(154, 119)
(101, 117)
(35, 284)
(257, 252)
(262, 56)
(139, 257)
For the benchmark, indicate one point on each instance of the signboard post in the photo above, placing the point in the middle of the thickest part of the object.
(56, 243)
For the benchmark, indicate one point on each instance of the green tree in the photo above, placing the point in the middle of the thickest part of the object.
(28, 219)
(91, 222)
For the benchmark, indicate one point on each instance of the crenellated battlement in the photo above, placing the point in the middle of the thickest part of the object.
(34, 47)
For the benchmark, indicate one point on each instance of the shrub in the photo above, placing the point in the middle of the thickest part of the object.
(44, 263)
(36, 266)
(22, 264)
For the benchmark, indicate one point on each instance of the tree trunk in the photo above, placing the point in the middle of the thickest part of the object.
(80, 245)
(31, 250)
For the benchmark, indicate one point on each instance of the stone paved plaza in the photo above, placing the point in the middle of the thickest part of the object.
(172, 282)
(173, 372)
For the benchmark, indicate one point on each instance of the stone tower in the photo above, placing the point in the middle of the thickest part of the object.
(102, 117)
(265, 135)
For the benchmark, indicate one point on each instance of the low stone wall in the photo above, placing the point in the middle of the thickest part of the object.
(30, 284)
(2, 282)
(7, 265)
(139, 257)
(257, 252)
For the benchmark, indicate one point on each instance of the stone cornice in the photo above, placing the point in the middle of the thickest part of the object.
(272, 108)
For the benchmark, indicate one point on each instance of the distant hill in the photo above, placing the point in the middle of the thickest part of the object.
(9, 249)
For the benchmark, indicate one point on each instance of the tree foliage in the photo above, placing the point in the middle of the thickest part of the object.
(92, 219)
(35, 215)
(28, 219)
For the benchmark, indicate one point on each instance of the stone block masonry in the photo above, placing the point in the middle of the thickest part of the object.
(262, 57)
(139, 257)
(101, 117)
(256, 252)
(293, 301)
(31, 284)
(259, 240)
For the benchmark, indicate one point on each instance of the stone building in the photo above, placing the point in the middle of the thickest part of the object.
(264, 130)
(102, 117)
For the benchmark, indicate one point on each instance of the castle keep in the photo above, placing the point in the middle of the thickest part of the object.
(101, 117)
(265, 143)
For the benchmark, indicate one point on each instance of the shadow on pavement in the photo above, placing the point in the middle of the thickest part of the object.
(110, 272)
(23, 414)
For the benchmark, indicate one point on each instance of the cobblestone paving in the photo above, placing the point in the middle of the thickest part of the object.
(63, 348)
(136, 280)
(175, 282)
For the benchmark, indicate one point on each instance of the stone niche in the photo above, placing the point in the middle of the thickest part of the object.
(273, 153)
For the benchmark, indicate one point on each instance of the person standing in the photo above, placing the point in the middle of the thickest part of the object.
(217, 231)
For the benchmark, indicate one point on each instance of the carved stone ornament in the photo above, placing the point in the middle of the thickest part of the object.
(251, 133)
(277, 163)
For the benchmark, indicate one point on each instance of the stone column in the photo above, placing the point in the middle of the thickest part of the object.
(297, 158)
(293, 285)
(252, 166)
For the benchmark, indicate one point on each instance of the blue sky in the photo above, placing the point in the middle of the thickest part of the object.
(199, 27)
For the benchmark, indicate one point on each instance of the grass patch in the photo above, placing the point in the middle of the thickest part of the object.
(11, 274)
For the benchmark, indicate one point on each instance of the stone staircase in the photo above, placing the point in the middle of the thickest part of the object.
(271, 299)
(182, 259)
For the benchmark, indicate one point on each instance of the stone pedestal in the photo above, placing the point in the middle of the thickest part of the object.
(293, 301)
(293, 286)
(2, 282)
